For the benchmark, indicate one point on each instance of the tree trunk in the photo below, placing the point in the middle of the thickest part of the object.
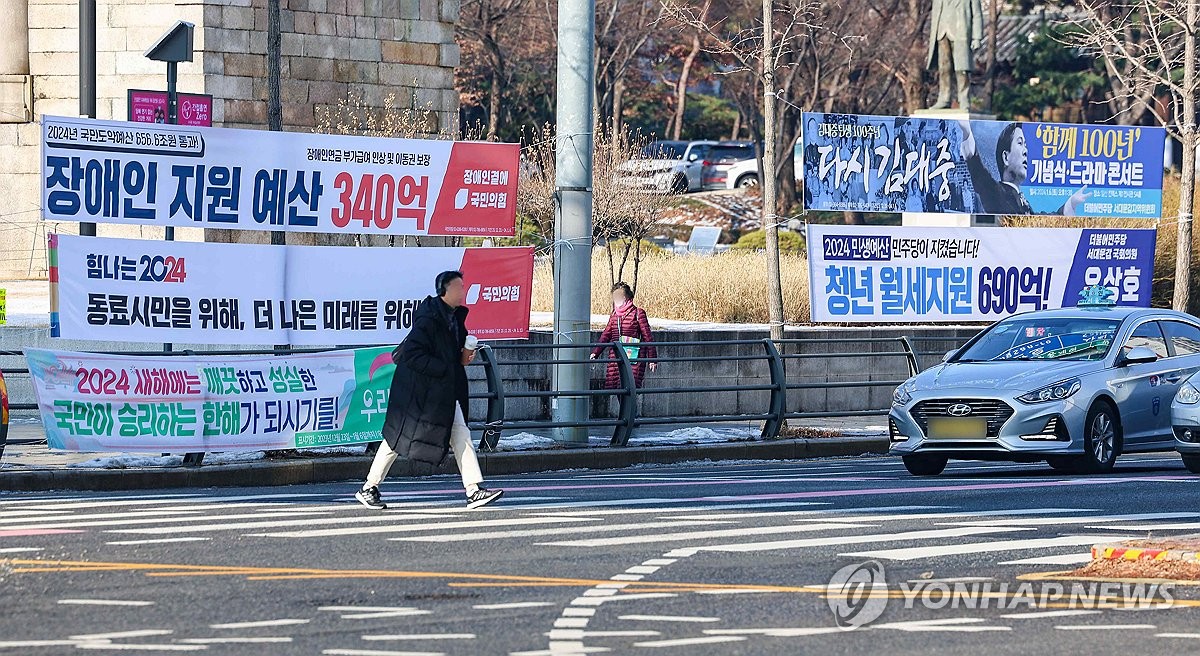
(1187, 186)
(989, 89)
(682, 85)
(737, 127)
(618, 108)
(852, 218)
(770, 182)
(494, 104)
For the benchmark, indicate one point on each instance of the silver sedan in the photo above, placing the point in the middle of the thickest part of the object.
(1185, 417)
(1074, 387)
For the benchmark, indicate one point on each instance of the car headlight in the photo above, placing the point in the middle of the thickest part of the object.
(903, 394)
(1188, 394)
(1056, 392)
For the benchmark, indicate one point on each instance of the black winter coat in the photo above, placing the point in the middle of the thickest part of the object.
(429, 380)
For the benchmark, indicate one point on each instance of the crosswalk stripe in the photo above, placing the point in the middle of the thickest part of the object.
(701, 535)
(1149, 528)
(747, 547)
(403, 528)
(1051, 521)
(1064, 559)
(635, 511)
(531, 533)
(914, 553)
(156, 520)
(283, 523)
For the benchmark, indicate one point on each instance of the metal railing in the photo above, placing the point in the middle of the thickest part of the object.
(769, 359)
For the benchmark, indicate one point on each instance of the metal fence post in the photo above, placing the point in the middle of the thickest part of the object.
(495, 405)
(192, 459)
(773, 426)
(914, 367)
(627, 408)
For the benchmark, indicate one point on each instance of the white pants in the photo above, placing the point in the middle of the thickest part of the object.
(460, 443)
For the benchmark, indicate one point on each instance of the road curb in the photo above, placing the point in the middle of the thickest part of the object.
(1126, 553)
(325, 470)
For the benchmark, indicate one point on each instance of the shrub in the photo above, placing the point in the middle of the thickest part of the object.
(789, 242)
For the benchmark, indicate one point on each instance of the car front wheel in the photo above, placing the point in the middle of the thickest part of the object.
(1102, 439)
(747, 181)
(1192, 462)
(924, 465)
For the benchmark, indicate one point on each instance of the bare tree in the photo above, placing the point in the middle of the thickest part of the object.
(483, 22)
(623, 27)
(1149, 48)
(792, 36)
(675, 126)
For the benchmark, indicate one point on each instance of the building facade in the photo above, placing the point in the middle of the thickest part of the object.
(375, 53)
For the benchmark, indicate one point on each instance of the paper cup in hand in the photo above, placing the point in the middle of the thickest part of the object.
(472, 344)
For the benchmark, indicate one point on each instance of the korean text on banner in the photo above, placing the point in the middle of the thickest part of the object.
(155, 404)
(894, 274)
(207, 293)
(934, 165)
(188, 176)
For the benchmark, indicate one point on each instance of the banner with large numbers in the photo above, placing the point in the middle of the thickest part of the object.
(158, 404)
(934, 165)
(181, 176)
(894, 274)
(205, 293)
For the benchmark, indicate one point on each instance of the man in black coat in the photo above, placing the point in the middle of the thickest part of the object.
(428, 402)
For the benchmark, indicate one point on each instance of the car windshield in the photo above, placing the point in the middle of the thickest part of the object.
(663, 150)
(1031, 338)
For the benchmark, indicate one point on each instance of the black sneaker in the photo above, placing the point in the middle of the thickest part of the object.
(483, 497)
(369, 497)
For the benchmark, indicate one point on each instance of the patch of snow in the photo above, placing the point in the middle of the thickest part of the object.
(128, 461)
(524, 442)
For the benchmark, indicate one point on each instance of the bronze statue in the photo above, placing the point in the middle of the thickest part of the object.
(955, 33)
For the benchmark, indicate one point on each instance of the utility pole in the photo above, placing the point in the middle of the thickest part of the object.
(770, 178)
(274, 99)
(87, 75)
(573, 205)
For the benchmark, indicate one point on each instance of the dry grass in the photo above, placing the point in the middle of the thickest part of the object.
(726, 288)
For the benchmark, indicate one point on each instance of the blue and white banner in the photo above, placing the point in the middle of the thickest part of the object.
(935, 165)
(898, 274)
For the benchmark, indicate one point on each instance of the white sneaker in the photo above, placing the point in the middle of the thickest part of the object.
(483, 497)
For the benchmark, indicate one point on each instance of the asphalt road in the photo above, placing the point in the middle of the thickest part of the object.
(713, 558)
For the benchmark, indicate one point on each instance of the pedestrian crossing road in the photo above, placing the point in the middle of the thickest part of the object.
(733, 557)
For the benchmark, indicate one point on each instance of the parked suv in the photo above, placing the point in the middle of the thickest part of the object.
(683, 166)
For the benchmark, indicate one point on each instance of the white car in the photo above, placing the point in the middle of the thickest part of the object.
(683, 166)
(742, 175)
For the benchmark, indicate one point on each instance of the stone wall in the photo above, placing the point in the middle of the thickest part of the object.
(332, 50)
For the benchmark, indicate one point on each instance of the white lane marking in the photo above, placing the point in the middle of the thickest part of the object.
(35, 513)
(1192, 526)
(661, 562)
(1193, 636)
(571, 622)
(635, 511)
(1049, 613)
(259, 624)
(27, 644)
(1105, 627)
(108, 645)
(778, 633)
(1051, 521)
(701, 535)
(403, 528)
(627, 577)
(103, 602)
(931, 551)
(578, 612)
(158, 541)
(950, 625)
(374, 612)
(577, 634)
(572, 651)
(589, 600)
(158, 499)
(685, 642)
(1065, 559)
(155, 520)
(951, 579)
(643, 569)
(747, 547)
(734, 592)
(668, 618)
(143, 633)
(422, 636)
(235, 641)
(373, 652)
(385, 516)
(20, 549)
(71, 517)
(532, 533)
(517, 604)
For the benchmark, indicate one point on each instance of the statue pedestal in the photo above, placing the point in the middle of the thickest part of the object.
(927, 219)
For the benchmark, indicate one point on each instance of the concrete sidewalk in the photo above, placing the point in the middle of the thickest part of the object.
(29, 467)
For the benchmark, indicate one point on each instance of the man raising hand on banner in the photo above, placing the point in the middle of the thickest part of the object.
(426, 414)
(1012, 162)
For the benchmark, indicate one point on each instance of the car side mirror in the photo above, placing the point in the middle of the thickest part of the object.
(948, 355)
(1137, 355)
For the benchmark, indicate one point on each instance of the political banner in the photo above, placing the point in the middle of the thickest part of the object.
(935, 165)
(894, 274)
(189, 176)
(178, 404)
(205, 293)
